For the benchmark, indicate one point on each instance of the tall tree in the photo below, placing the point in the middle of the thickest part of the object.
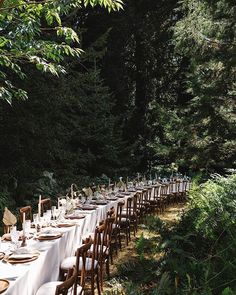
(66, 126)
(206, 37)
(139, 71)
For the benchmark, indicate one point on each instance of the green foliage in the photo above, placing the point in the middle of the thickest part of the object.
(69, 131)
(200, 250)
(197, 255)
(205, 37)
(29, 31)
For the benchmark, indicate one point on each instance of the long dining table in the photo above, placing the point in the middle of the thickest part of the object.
(26, 278)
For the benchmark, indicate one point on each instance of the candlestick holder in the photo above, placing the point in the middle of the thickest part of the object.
(23, 244)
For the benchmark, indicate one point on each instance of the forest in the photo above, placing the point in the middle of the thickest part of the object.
(153, 86)
(91, 90)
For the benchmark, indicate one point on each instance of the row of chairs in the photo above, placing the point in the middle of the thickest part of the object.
(87, 265)
(93, 258)
(117, 228)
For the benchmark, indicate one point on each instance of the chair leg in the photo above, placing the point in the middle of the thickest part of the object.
(92, 284)
(101, 276)
(98, 284)
(108, 268)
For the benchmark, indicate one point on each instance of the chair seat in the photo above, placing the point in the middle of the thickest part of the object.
(69, 263)
(124, 220)
(50, 288)
(105, 250)
(115, 226)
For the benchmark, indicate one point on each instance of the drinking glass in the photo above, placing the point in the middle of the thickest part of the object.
(14, 236)
(56, 213)
(27, 228)
(53, 212)
(49, 215)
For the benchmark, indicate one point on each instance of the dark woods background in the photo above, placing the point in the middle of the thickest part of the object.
(131, 104)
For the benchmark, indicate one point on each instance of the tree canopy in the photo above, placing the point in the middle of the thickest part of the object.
(35, 32)
(147, 86)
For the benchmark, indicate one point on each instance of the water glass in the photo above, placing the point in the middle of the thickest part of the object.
(15, 236)
(53, 212)
(49, 214)
(27, 228)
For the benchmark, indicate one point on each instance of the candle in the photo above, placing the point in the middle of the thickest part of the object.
(23, 224)
(39, 210)
(138, 177)
(39, 206)
(109, 182)
(127, 180)
(58, 203)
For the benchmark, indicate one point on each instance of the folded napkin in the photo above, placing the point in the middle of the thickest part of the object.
(24, 253)
(88, 191)
(121, 185)
(8, 217)
(22, 256)
(48, 233)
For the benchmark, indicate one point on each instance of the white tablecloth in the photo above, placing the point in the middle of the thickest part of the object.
(25, 279)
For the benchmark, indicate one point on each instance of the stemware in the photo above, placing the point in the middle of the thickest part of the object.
(15, 237)
(53, 212)
(27, 228)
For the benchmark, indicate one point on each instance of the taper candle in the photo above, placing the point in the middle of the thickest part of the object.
(23, 224)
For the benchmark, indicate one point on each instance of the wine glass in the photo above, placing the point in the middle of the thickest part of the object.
(14, 237)
(27, 228)
(53, 212)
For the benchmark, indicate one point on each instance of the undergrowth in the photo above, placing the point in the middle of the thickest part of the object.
(195, 257)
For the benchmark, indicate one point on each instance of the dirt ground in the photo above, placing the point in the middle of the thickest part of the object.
(170, 216)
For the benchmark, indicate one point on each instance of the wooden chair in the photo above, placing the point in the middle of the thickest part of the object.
(106, 228)
(132, 213)
(28, 213)
(184, 191)
(147, 200)
(129, 215)
(45, 205)
(176, 191)
(115, 242)
(155, 203)
(92, 263)
(163, 197)
(62, 288)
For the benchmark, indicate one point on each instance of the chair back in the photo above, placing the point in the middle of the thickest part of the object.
(82, 254)
(157, 190)
(28, 213)
(45, 205)
(68, 284)
(184, 185)
(171, 187)
(119, 209)
(111, 212)
(177, 186)
(164, 190)
(108, 227)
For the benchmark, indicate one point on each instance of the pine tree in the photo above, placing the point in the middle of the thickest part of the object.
(206, 37)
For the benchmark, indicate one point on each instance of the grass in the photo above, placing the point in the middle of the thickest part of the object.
(138, 262)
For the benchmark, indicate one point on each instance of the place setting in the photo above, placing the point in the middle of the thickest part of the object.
(21, 255)
(48, 235)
